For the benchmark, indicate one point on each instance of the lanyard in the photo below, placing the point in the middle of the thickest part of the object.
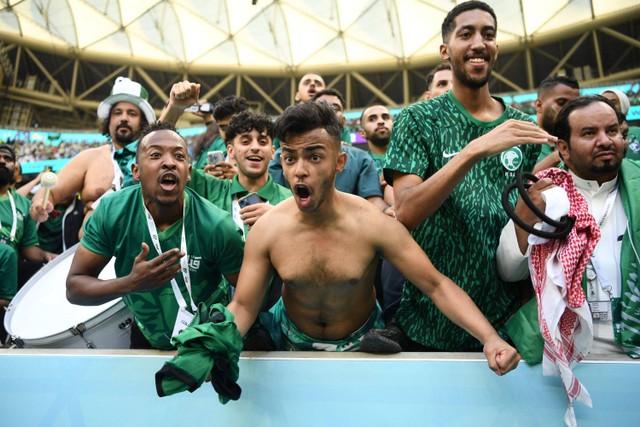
(12, 234)
(184, 265)
(605, 284)
(235, 214)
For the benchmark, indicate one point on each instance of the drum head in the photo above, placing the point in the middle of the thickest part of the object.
(41, 309)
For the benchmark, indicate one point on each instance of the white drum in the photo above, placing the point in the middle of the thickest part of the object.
(41, 316)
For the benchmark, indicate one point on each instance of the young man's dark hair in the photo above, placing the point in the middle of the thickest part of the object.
(229, 106)
(562, 128)
(432, 73)
(553, 81)
(330, 92)
(152, 127)
(448, 25)
(305, 117)
(247, 121)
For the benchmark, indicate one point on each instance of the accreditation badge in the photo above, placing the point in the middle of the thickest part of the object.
(601, 310)
(183, 320)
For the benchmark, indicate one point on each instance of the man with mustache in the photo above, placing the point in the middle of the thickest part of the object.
(591, 146)
(448, 161)
(17, 233)
(172, 247)
(326, 245)
(96, 171)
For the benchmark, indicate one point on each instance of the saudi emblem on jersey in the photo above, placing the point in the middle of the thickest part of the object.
(511, 159)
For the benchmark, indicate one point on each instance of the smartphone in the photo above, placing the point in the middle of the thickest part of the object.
(249, 199)
(215, 157)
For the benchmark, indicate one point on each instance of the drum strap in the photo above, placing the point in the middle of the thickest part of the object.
(12, 234)
(184, 263)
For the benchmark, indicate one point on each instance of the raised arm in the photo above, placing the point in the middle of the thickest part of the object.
(182, 95)
(85, 288)
(416, 200)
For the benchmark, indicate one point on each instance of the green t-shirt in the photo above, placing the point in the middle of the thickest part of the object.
(462, 236)
(25, 237)
(9, 271)
(125, 157)
(222, 192)
(378, 160)
(214, 247)
(218, 144)
(633, 152)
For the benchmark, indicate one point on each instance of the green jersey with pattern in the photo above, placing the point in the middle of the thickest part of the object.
(214, 248)
(462, 236)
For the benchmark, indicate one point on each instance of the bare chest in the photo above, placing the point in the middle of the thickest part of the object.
(99, 176)
(324, 262)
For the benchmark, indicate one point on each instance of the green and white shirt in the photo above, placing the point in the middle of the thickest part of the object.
(461, 237)
(214, 248)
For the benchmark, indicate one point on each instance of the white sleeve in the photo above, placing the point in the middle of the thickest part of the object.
(512, 265)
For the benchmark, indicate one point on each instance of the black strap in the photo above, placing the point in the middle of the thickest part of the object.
(563, 227)
(169, 370)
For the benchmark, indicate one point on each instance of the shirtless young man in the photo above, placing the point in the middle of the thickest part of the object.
(326, 245)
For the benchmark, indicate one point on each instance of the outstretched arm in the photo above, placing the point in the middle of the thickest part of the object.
(404, 253)
(416, 200)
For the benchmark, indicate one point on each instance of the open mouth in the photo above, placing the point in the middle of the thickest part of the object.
(168, 181)
(302, 191)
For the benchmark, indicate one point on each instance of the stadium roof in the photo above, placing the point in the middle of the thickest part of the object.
(371, 50)
(272, 36)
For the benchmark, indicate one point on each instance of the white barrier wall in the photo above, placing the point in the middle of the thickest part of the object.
(56, 388)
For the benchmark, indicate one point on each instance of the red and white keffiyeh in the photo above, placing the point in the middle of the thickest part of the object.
(556, 268)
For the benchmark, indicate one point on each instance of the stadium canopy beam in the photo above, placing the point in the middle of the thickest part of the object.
(366, 83)
(569, 54)
(46, 72)
(263, 94)
(218, 87)
(152, 84)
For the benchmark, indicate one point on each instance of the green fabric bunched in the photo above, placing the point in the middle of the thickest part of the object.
(210, 345)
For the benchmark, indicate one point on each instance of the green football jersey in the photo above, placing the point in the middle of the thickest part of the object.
(462, 236)
(214, 248)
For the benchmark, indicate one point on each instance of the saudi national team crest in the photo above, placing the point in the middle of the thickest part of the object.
(512, 159)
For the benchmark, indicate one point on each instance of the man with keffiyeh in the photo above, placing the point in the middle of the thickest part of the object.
(592, 149)
(593, 152)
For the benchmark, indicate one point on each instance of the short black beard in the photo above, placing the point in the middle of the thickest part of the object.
(125, 139)
(469, 82)
(379, 141)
